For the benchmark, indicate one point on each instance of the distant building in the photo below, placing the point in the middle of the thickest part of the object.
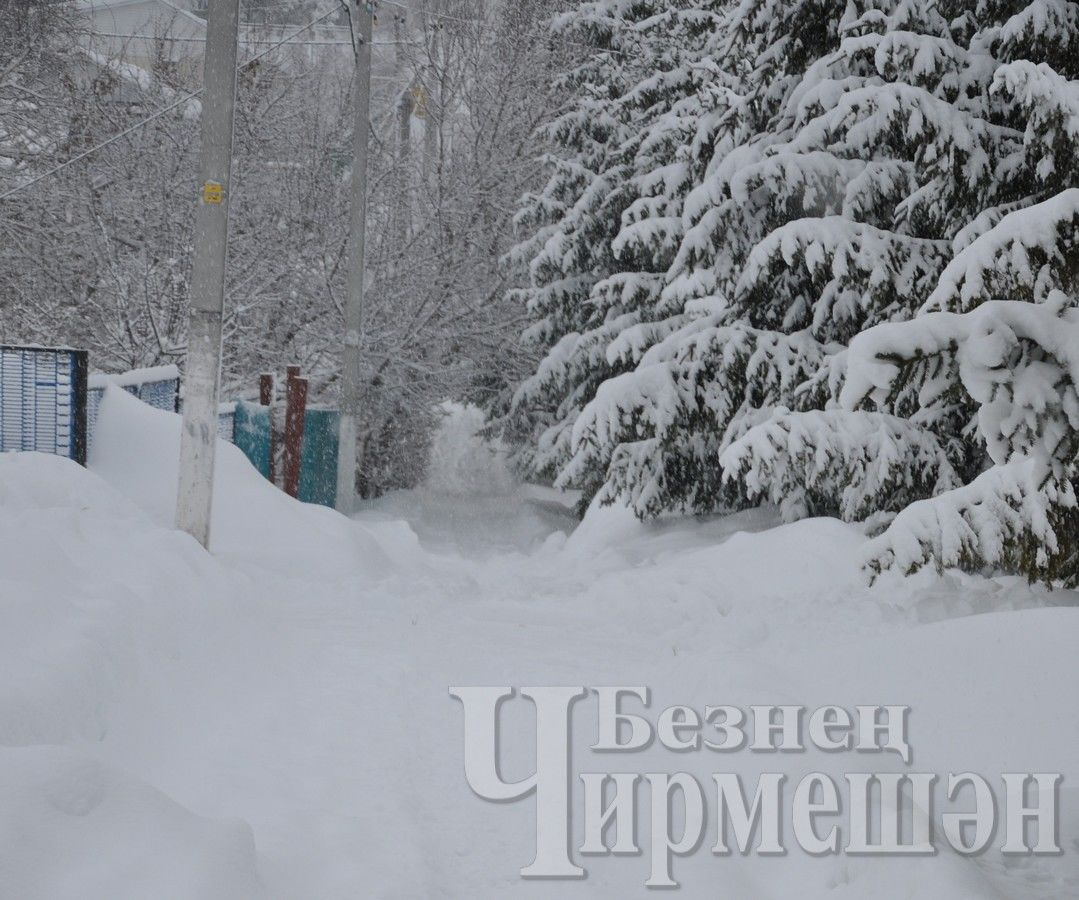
(144, 33)
(160, 34)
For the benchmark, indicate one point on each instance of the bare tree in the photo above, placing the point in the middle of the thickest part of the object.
(99, 254)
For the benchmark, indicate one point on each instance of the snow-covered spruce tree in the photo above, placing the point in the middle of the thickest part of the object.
(1000, 94)
(866, 172)
(777, 268)
(604, 230)
(565, 230)
(1017, 361)
(996, 340)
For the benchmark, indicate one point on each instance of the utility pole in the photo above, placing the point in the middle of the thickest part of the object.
(351, 384)
(432, 123)
(406, 104)
(203, 371)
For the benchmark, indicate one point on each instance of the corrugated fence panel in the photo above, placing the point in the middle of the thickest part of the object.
(251, 433)
(43, 400)
(318, 459)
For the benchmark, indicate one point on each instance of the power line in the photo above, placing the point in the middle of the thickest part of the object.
(187, 98)
(439, 15)
(179, 39)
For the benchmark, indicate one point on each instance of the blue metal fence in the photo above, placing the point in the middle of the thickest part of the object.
(158, 386)
(251, 433)
(43, 400)
(318, 458)
(318, 455)
(48, 403)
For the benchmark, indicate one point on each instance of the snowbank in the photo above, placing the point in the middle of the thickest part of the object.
(273, 719)
(73, 829)
(86, 580)
(136, 450)
(63, 645)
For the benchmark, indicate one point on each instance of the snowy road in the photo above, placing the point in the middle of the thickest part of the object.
(297, 681)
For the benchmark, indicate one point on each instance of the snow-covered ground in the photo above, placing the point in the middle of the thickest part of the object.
(273, 720)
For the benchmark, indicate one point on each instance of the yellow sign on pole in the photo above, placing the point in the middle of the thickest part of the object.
(213, 192)
(419, 101)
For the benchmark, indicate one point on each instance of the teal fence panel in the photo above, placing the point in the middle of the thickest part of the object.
(251, 433)
(318, 462)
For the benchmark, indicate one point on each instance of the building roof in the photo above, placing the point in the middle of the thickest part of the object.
(180, 9)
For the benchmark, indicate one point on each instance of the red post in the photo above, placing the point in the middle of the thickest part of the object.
(295, 409)
(266, 399)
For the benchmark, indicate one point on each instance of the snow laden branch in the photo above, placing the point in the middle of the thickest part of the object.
(1019, 363)
(1051, 104)
(689, 396)
(834, 275)
(1007, 518)
(1028, 253)
(833, 462)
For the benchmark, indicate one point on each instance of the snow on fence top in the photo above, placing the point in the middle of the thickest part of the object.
(135, 377)
(158, 386)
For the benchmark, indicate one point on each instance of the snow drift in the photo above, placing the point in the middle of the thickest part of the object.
(272, 720)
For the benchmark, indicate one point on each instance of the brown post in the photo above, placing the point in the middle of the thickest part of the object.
(295, 409)
(266, 399)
